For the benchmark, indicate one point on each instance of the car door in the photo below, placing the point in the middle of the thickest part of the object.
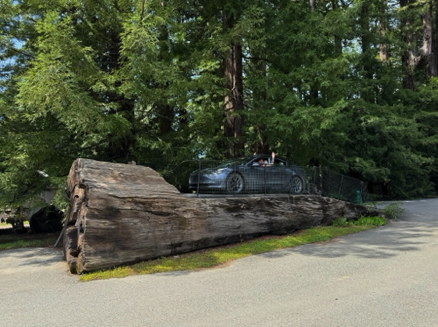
(256, 174)
(277, 176)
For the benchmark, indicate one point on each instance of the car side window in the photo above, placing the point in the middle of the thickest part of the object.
(278, 162)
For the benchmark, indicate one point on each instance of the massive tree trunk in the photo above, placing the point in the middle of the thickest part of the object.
(428, 51)
(121, 214)
(409, 58)
(166, 113)
(383, 26)
(233, 98)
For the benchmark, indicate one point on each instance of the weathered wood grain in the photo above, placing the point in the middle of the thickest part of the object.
(121, 214)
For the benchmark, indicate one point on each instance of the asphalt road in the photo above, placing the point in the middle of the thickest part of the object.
(382, 277)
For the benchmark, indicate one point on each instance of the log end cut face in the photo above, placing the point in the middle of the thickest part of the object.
(110, 203)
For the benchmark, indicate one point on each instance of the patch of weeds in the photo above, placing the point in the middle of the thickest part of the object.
(225, 254)
(341, 222)
(393, 210)
(118, 272)
(370, 221)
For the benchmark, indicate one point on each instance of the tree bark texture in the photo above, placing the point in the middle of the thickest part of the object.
(122, 214)
(409, 57)
(428, 51)
(434, 67)
(233, 98)
(383, 26)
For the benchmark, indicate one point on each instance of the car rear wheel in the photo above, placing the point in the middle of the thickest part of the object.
(235, 183)
(296, 185)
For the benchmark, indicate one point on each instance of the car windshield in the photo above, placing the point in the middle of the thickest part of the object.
(234, 162)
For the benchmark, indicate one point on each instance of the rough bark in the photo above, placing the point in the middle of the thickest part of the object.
(409, 58)
(383, 26)
(121, 214)
(233, 98)
(434, 68)
(365, 27)
(428, 54)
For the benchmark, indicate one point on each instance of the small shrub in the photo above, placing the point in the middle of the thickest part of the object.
(393, 210)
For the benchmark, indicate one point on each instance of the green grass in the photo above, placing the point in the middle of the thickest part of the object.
(225, 254)
(16, 241)
(26, 224)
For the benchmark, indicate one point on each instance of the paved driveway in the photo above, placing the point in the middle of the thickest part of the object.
(383, 277)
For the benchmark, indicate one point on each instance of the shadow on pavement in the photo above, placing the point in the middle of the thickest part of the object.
(30, 257)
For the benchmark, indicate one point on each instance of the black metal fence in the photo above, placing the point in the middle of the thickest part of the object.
(202, 177)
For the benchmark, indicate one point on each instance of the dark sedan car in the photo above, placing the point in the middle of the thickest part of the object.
(259, 173)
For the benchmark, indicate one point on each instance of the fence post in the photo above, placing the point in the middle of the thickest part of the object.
(199, 177)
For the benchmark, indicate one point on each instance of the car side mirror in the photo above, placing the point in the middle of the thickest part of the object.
(255, 164)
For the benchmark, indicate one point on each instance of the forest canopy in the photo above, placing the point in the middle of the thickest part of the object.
(346, 85)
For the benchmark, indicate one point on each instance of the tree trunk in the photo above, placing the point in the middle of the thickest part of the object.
(365, 26)
(259, 97)
(120, 214)
(233, 98)
(434, 64)
(383, 26)
(312, 5)
(165, 111)
(409, 55)
(428, 55)
(166, 119)
(338, 39)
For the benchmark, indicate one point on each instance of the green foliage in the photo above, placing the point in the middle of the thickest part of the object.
(370, 221)
(341, 222)
(362, 221)
(393, 210)
(122, 80)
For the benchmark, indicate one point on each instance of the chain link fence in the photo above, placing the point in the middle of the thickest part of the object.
(251, 175)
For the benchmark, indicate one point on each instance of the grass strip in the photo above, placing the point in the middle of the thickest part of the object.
(222, 255)
(16, 241)
(16, 244)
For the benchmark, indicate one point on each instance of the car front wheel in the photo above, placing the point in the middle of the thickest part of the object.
(296, 185)
(235, 183)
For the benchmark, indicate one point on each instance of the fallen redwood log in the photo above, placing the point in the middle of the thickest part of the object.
(122, 214)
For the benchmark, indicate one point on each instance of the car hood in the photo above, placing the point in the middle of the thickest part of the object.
(209, 171)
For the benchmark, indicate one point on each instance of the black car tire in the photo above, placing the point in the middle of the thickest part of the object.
(296, 185)
(235, 183)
